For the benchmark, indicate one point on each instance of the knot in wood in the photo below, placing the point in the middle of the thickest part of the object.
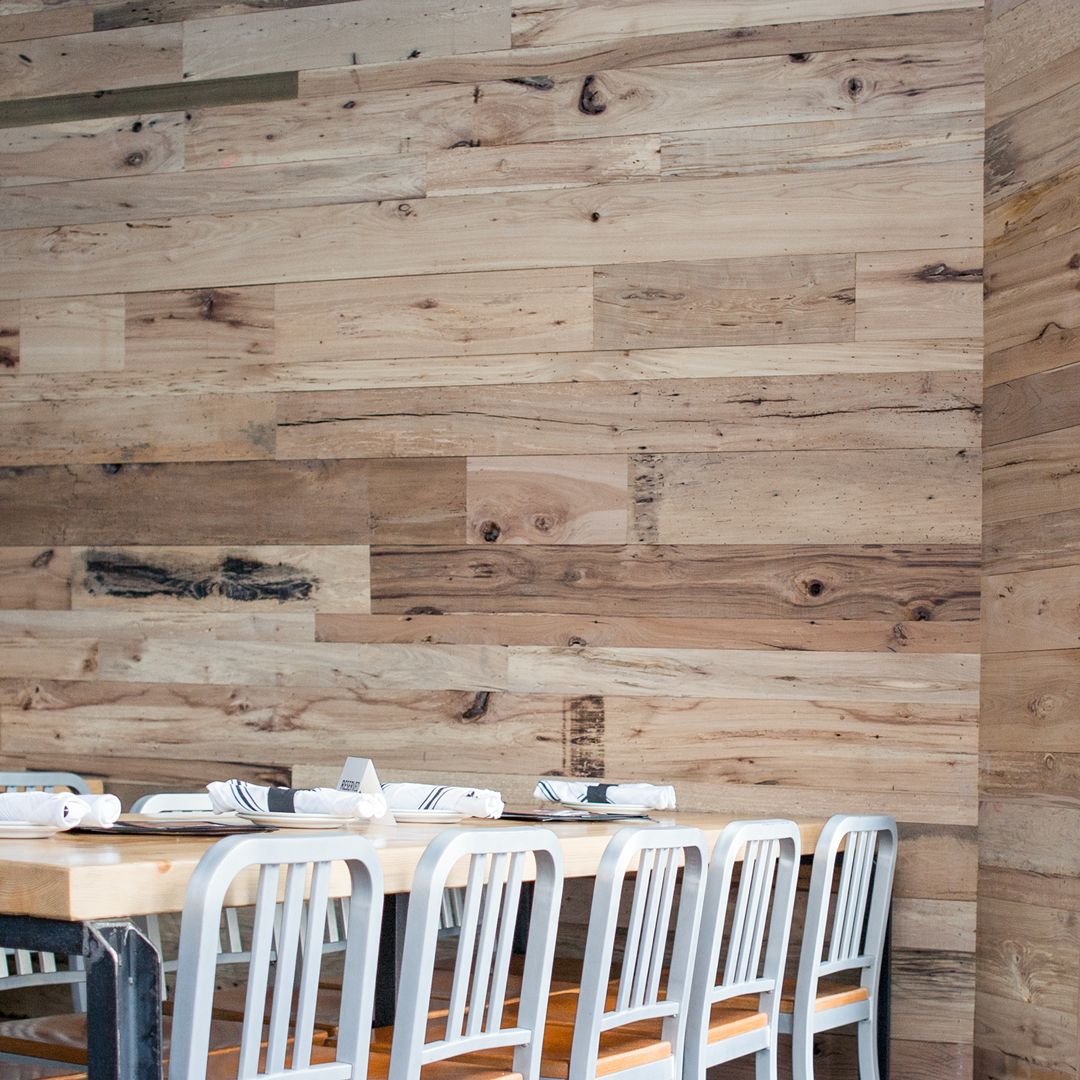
(490, 531)
(853, 87)
(542, 523)
(591, 101)
(921, 614)
(798, 57)
(404, 210)
(135, 159)
(815, 588)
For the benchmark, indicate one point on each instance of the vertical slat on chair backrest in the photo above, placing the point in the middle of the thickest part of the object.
(288, 944)
(752, 911)
(646, 866)
(262, 942)
(459, 992)
(485, 948)
(660, 936)
(505, 943)
(851, 897)
(309, 977)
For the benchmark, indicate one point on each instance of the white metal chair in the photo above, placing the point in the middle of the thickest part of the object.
(38, 969)
(474, 1018)
(720, 1026)
(266, 1056)
(852, 940)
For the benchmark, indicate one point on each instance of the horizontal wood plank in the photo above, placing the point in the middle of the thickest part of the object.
(729, 302)
(876, 208)
(933, 998)
(930, 1061)
(1045, 401)
(35, 578)
(849, 412)
(1010, 774)
(920, 582)
(1032, 543)
(1029, 832)
(77, 334)
(807, 497)
(70, 658)
(9, 341)
(1024, 40)
(1037, 475)
(46, 23)
(1033, 216)
(946, 925)
(1033, 87)
(244, 625)
(937, 861)
(1031, 702)
(313, 502)
(1032, 610)
(1022, 887)
(1040, 1042)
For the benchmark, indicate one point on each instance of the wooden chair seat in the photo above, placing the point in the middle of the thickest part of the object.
(830, 995)
(379, 1069)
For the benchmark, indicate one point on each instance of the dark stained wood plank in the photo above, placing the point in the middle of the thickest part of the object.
(753, 581)
(1032, 543)
(652, 50)
(782, 413)
(167, 97)
(1031, 702)
(324, 502)
(35, 579)
(655, 632)
(729, 302)
(1044, 401)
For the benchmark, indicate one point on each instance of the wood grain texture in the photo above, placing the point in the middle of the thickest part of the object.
(1030, 89)
(1045, 401)
(1041, 1041)
(77, 334)
(1018, 886)
(1027, 39)
(930, 1061)
(178, 331)
(110, 16)
(807, 497)
(35, 578)
(9, 340)
(333, 35)
(687, 632)
(918, 294)
(875, 208)
(324, 502)
(226, 428)
(921, 583)
(86, 149)
(1037, 475)
(1031, 702)
(1028, 833)
(918, 80)
(731, 302)
(527, 368)
(946, 925)
(257, 187)
(575, 20)
(89, 62)
(545, 500)
(221, 579)
(1032, 611)
(933, 995)
(1032, 543)
(995, 1063)
(1007, 774)
(850, 412)
(1039, 213)
(46, 23)
(243, 625)
(429, 315)
(940, 862)
(72, 658)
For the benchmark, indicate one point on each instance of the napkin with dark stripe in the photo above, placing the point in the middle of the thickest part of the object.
(472, 802)
(650, 795)
(238, 795)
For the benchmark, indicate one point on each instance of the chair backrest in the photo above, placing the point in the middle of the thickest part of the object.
(172, 801)
(854, 936)
(199, 945)
(656, 852)
(499, 856)
(43, 781)
(746, 956)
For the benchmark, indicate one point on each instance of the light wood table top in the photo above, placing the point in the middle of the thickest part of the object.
(91, 876)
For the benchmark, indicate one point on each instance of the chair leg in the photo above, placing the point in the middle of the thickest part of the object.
(765, 1063)
(868, 1048)
(802, 1050)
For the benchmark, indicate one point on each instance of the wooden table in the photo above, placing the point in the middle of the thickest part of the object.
(77, 894)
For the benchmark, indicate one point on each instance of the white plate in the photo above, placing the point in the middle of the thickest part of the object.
(428, 817)
(297, 821)
(26, 830)
(607, 807)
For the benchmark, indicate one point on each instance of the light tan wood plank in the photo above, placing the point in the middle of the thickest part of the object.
(88, 62)
(934, 924)
(1032, 405)
(1025, 1039)
(1027, 39)
(1033, 216)
(949, 680)
(178, 331)
(1035, 610)
(918, 80)
(429, 314)
(528, 368)
(1006, 774)
(1032, 543)
(916, 295)
(920, 583)
(807, 497)
(335, 34)
(933, 995)
(654, 632)
(47, 23)
(34, 578)
(9, 343)
(1031, 703)
(730, 301)
(936, 861)
(360, 667)
(230, 502)
(122, 147)
(855, 411)
(1022, 887)
(577, 163)
(262, 578)
(820, 144)
(257, 187)
(545, 500)
(1029, 833)
(1037, 475)
(1030, 89)
(73, 658)
(174, 625)
(931, 1061)
(227, 428)
(78, 334)
(882, 208)
(556, 21)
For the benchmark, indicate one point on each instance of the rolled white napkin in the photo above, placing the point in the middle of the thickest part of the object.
(651, 795)
(472, 802)
(60, 808)
(230, 795)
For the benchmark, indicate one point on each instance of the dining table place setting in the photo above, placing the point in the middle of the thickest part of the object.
(38, 814)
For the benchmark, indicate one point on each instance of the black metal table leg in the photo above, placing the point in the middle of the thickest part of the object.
(123, 983)
(884, 1002)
